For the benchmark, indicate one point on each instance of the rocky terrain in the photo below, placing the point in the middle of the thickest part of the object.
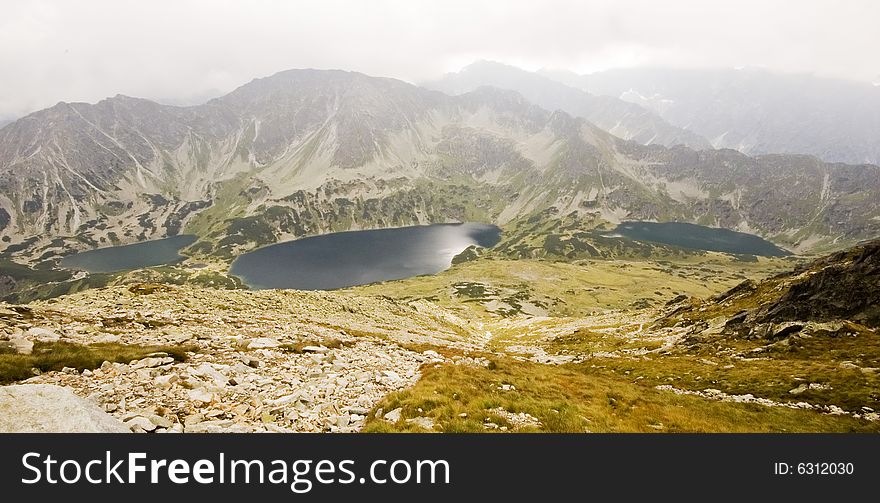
(794, 351)
(838, 294)
(259, 361)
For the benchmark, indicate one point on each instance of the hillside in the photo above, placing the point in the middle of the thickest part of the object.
(578, 348)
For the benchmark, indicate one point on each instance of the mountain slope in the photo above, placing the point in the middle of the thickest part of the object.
(623, 119)
(837, 293)
(753, 111)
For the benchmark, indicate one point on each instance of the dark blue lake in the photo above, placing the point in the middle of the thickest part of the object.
(699, 237)
(345, 259)
(134, 256)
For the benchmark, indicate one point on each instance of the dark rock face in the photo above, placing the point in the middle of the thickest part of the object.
(837, 294)
(846, 287)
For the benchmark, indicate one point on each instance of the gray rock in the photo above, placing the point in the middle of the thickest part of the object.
(800, 389)
(361, 411)
(45, 408)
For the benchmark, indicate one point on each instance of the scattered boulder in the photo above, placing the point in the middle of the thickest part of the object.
(18, 345)
(422, 422)
(394, 415)
(263, 343)
(200, 395)
(139, 424)
(42, 335)
(147, 363)
(250, 361)
(315, 349)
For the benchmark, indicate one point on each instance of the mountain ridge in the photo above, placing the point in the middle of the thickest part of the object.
(752, 110)
(310, 151)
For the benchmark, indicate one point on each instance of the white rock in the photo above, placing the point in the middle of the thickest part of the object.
(151, 362)
(392, 375)
(422, 422)
(106, 338)
(140, 423)
(207, 371)
(200, 395)
(42, 334)
(159, 421)
(394, 415)
(45, 408)
(315, 349)
(165, 381)
(262, 343)
(22, 346)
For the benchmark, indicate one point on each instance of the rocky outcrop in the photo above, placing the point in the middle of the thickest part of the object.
(839, 293)
(845, 285)
(44, 408)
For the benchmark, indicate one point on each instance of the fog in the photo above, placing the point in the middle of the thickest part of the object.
(186, 51)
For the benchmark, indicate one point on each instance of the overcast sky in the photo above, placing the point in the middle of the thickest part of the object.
(188, 50)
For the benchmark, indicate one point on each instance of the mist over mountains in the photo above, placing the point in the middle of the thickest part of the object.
(751, 110)
(618, 117)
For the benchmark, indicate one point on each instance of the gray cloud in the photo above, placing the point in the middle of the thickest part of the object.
(187, 50)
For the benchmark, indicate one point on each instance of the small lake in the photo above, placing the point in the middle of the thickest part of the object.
(352, 258)
(134, 256)
(700, 238)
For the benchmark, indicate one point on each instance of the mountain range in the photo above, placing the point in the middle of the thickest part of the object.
(752, 110)
(621, 118)
(310, 151)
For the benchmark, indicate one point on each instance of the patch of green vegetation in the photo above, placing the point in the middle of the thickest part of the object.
(576, 398)
(48, 356)
(842, 366)
(577, 288)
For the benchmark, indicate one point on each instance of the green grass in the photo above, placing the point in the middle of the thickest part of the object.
(49, 356)
(576, 398)
(574, 289)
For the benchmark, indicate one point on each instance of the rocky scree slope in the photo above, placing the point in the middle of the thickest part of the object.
(263, 361)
